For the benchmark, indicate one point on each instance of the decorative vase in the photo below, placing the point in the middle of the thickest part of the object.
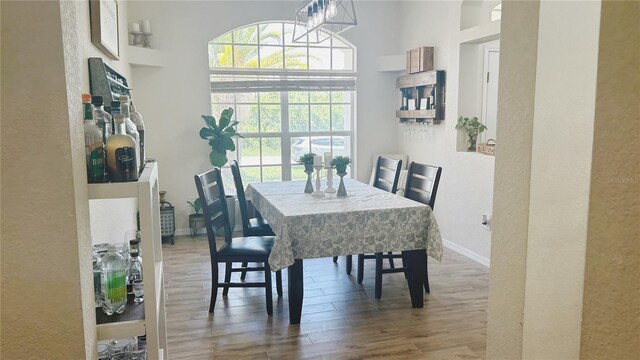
(342, 191)
(473, 138)
(308, 189)
(196, 222)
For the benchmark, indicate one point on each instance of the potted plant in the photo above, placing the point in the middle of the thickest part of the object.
(307, 161)
(219, 135)
(196, 219)
(473, 127)
(340, 163)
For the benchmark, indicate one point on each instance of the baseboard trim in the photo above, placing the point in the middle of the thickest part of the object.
(467, 253)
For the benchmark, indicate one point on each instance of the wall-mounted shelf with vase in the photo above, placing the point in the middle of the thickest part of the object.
(423, 97)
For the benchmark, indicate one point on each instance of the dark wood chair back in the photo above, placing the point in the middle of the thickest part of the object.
(422, 183)
(387, 174)
(242, 199)
(214, 207)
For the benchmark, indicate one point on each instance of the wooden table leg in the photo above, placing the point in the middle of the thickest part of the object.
(416, 261)
(296, 291)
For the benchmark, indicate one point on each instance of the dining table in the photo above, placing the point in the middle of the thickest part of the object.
(367, 220)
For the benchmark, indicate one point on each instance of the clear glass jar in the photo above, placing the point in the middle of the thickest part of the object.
(113, 282)
(120, 349)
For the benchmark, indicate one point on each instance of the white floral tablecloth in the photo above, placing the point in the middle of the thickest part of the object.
(368, 220)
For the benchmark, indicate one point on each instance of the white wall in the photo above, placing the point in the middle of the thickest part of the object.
(466, 186)
(173, 98)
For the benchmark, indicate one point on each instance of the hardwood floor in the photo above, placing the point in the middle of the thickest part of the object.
(340, 319)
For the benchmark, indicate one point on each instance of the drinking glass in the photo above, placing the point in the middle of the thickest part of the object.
(120, 349)
(103, 352)
(139, 355)
(138, 290)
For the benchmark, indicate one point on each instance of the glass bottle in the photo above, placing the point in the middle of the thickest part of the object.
(130, 127)
(121, 154)
(94, 146)
(136, 117)
(113, 283)
(97, 280)
(102, 118)
(134, 268)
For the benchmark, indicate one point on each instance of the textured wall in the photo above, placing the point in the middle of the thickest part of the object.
(560, 178)
(611, 307)
(46, 278)
(518, 54)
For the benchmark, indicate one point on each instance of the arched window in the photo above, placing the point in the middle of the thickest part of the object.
(290, 98)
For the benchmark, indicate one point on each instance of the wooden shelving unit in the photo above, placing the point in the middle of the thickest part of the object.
(418, 87)
(147, 318)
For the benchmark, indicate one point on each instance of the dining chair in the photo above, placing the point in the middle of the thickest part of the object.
(387, 173)
(251, 226)
(422, 186)
(239, 249)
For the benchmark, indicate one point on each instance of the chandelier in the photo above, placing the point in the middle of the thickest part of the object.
(334, 16)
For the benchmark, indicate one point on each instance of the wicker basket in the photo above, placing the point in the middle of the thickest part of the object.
(488, 148)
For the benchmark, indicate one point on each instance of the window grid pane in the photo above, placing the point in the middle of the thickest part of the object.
(303, 120)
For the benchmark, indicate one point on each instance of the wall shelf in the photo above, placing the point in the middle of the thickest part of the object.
(147, 318)
(480, 34)
(144, 57)
(426, 91)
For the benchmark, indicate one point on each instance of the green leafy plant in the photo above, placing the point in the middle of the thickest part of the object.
(220, 136)
(472, 127)
(306, 159)
(195, 205)
(340, 163)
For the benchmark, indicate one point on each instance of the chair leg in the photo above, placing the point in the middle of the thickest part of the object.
(349, 264)
(426, 276)
(335, 259)
(279, 282)
(243, 274)
(379, 260)
(268, 289)
(227, 277)
(391, 264)
(360, 268)
(214, 285)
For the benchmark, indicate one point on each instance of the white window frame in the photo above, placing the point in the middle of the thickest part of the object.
(303, 80)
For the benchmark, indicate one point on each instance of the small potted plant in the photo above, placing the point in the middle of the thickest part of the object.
(307, 161)
(196, 219)
(473, 127)
(340, 163)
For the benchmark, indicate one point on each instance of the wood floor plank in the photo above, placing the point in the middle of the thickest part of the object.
(341, 319)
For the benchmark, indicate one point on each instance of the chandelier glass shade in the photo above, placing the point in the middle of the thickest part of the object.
(332, 16)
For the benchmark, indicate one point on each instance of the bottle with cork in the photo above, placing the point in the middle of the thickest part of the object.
(121, 154)
(136, 117)
(130, 127)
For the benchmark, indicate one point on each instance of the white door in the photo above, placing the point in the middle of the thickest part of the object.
(490, 92)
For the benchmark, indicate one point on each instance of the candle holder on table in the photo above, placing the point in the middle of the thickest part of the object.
(329, 189)
(318, 192)
(342, 191)
(308, 189)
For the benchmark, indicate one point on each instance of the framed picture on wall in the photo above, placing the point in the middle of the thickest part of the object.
(104, 26)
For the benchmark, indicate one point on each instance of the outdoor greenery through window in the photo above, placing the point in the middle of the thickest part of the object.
(290, 98)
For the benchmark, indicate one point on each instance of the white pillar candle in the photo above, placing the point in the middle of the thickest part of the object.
(327, 159)
(146, 26)
(317, 160)
(135, 27)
